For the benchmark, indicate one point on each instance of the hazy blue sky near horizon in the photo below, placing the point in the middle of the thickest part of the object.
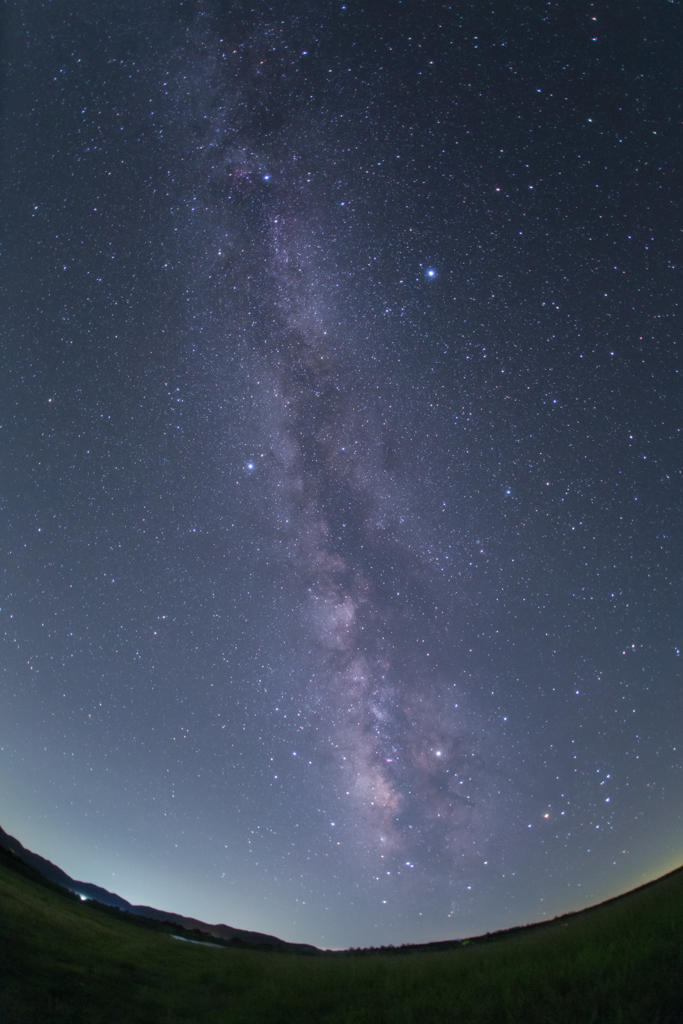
(341, 434)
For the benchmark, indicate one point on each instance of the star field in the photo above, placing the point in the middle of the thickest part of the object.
(341, 437)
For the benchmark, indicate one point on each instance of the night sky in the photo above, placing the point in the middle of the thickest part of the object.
(342, 457)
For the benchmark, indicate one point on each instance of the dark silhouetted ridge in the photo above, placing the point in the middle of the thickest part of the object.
(47, 871)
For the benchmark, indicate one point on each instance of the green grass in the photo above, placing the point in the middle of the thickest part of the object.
(65, 962)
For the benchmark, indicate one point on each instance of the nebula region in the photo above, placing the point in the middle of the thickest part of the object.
(341, 430)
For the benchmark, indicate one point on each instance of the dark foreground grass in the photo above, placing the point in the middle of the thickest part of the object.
(64, 962)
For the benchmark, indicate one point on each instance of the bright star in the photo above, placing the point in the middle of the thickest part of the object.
(431, 273)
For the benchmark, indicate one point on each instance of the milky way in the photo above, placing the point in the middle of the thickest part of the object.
(342, 414)
(345, 535)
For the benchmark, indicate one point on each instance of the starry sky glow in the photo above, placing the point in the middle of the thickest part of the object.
(341, 435)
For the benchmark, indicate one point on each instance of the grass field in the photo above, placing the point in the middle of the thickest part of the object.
(65, 962)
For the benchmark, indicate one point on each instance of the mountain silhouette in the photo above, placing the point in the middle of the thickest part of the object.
(86, 890)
